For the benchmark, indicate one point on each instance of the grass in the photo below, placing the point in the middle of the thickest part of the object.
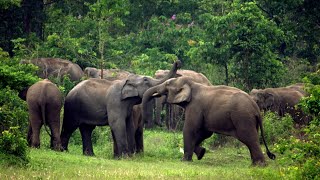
(161, 160)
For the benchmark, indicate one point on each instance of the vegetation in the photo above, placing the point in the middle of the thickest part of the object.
(242, 43)
(161, 160)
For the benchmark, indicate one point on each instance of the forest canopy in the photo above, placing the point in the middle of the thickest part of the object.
(243, 43)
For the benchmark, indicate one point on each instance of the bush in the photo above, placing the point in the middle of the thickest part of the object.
(302, 155)
(13, 110)
(13, 147)
(276, 128)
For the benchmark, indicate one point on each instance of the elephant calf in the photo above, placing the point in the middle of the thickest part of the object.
(44, 102)
(213, 109)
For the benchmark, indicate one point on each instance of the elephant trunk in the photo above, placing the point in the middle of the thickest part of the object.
(147, 96)
(171, 74)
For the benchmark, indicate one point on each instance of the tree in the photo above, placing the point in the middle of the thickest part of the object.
(246, 41)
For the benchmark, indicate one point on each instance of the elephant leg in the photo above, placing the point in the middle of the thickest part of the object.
(158, 109)
(192, 135)
(250, 137)
(139, 139)
(115, 146)
(66, 133)
(53, 121)
(29, 135)
(130, 135)
(86, 133)
(201, 136)
(188, 144)
(118, 127)
(36, 123)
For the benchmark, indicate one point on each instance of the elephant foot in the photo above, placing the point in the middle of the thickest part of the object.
(37, 146)
(88, 153)
(122, 156)
(259, 163)
(57, 148)
(187, 158)
(200, 153)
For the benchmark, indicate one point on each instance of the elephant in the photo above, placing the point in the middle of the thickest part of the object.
(280, 100)
(99, 102)
(174, 111)
(109, 74)
(299, 87)
(116, 74)
(44, 101)
(56, 67)
(213, 109)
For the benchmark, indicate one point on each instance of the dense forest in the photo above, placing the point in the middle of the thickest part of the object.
(248, 44)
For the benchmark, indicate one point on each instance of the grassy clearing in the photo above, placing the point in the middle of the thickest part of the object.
(161, 160)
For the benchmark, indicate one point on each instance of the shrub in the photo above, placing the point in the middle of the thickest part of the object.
(13, 110)
(302, 155)
(276, 128)
(13, 146)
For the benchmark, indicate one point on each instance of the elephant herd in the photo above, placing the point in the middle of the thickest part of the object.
(121, 100)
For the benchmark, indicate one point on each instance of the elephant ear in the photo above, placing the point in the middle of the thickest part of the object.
(269, 99)
(184, 95)
(128, 90)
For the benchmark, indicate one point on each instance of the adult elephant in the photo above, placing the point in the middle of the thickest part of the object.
(44, 101)
(174, 111)
(109, 74)
(98, 102)
(56, 67)
(299, 87)
(213, 109)
(136, 117)
(281, 100)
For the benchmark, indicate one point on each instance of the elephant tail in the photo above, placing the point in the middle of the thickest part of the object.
(270, 155)
(43, 113)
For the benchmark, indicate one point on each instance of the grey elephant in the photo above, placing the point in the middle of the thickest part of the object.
(281, 101)
(56, 67)
(299, 87)
(173, 111)
(99, 102)
(136, 117)
(213, 109)
(109, 74)
(44, 101)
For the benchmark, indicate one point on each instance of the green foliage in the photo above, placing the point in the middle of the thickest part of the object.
(303, 155)
(5, 4)
(12, 143)
(164, 145)
(276, 128)
(13, 110)
(15, 75)
(303, 152)
(311, 103)
(245, 40)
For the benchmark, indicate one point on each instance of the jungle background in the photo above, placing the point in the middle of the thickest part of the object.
(242, 43)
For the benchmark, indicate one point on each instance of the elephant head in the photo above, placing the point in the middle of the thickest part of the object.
(265, 99)
(91, 72)
(177, 91)
(135, 85)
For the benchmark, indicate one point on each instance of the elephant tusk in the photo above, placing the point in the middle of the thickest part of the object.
(156, 95)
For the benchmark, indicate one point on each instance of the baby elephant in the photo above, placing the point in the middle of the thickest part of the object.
(213, 109)
(44, 102)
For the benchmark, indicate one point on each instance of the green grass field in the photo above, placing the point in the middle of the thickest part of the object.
(161, 160)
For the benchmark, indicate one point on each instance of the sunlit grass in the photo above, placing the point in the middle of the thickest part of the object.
(161, 160)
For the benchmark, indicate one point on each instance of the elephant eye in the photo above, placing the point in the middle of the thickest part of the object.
(145, 79)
